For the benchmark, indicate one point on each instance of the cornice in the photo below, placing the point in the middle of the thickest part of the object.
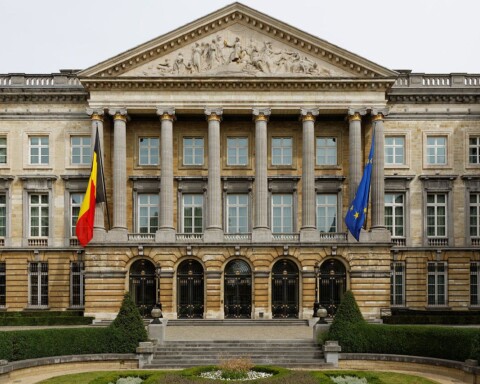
(412, 98)
(221, 19)
(41, 95)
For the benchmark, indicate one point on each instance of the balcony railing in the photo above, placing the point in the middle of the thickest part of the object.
(2, 242)
(38, 242)
(476, 241)
(189, 237)
(426, 80)
(141, 237)
(285, 237)
(74, 242)
(247, 237)
(399, 241)
(438, 242)
(65, 78)
(333, 236)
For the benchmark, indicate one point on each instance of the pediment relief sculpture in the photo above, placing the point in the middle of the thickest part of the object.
(237, 53)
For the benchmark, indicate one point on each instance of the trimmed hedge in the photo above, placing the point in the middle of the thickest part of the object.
(433, 317)
(34, 318)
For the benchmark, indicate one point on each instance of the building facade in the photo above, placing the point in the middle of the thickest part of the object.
(232, 148)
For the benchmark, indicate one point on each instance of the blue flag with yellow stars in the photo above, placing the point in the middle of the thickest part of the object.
(357, 212)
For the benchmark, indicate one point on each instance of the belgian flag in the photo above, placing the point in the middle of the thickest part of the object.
(95, 194)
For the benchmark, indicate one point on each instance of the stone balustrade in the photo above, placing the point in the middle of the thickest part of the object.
(407, 79)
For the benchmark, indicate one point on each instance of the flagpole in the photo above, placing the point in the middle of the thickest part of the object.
(103, 179)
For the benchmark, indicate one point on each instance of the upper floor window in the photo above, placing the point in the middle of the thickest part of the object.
(193, 151)
(327, 212)
(38, 284)
(76, 200)
(437, 283)
(237, 151)
(39, 150)
(397, 283)
(395, 214)
(148, 212)
(192, 213)
(394, 150)
(3, 215)
(282, 213)
(148, 151)
(3, 284)
(3, 150)
(282, 149)
(475, 215)
(436, 215)
(474, 150)
(237, 213)
(436, 150)
(77, 284)
(326, 151)
(39, 215)
(81, 150)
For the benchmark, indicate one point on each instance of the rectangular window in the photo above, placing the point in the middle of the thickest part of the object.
(76, 200)
(3, 150)
(474, 150)
(282, 150)
(148, 211)
(474, 283)
(282, 213)
(148, 151)
(237, 213)
(397, 283)
(436, 150)
(395, 150)
(81, 150)
(3, 284)
(326, 151)
(395, 214)
(437, 283)
(39, 150)
(39, 212)
(38, 284)
(192, 213)
(327, 213)
(475, 215)
(237, 151)
(77, 284)
(3, 215)
(437, 215)
(193, 151)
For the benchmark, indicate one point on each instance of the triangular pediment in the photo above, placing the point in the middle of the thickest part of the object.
(236, 41)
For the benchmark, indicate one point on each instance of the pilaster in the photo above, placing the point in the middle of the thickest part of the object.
(166, 231)
(214, 231)
(355, 149)
(261, 231)
(308, 232)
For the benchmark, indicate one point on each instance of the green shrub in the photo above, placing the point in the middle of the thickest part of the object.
(475, 350)
(128, 328)
(112, 377)
(44, 318)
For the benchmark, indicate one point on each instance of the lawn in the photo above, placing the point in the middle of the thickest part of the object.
(286, 377)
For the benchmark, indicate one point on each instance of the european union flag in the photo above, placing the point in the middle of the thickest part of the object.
(357, 212)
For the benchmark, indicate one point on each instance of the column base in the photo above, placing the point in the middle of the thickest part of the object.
(99, 235)
(380, 235)
(165, 235)
(117, 235)
(262, 235)
(309, 235)
(217, 315)
(213, 235)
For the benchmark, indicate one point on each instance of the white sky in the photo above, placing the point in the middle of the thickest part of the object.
(433, 36)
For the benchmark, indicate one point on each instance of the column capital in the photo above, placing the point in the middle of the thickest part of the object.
(118, 113)
(261, 114)
(379, 113)
(95, 114)
(213, 114)
(355, 114)
(308, 114)
(166, 113)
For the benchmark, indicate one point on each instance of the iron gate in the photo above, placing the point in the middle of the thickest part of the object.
(190, 290)
(143, 286)
(238, 290)
(333, 284)
(285, 289)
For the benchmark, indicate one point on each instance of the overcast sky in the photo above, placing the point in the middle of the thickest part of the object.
(433, 36)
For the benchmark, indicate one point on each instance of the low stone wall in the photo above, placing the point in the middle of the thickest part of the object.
(467, 372)
(62, 365)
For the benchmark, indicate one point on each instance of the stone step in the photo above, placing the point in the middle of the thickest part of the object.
(237, 322)
(307, 364)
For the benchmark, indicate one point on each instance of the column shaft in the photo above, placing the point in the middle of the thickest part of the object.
(308, 170)
(378, 180)
(166, 169)
(355, 153)
(120, 170)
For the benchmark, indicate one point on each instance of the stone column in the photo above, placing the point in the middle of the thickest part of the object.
(214, 232)
(119, 227)
(261, 231)
(309, 231)
(97, 123)
(378, 179)
(166, 231)
(355, 150)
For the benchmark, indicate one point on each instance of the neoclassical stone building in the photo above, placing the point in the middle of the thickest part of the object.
(232, 148)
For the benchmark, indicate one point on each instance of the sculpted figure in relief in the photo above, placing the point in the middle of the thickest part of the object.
(236, 54)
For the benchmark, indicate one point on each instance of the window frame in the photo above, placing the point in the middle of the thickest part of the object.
(39, 147)
(282, 164)
(394, 284)
(81, 284)
(282, 206)
(449, 149)
(86, 158)
(337, 151)
(149, 206)
(436, 274)
(3, 284)
(6, 163)
(394, 146)
(326, 206)
(41, 275)
(193, 206)
(394, 205)
(205, 145)
(237, 148)
(474, 284)
(237, 206)
(149, 148)
(41, 204)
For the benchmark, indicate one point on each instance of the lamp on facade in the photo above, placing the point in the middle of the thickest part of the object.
(316, 304)
(158, 271)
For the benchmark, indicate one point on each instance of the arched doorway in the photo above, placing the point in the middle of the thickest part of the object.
(333, 284)
(143, 285)
(190, 290)
(285, 289)
(238, 290)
